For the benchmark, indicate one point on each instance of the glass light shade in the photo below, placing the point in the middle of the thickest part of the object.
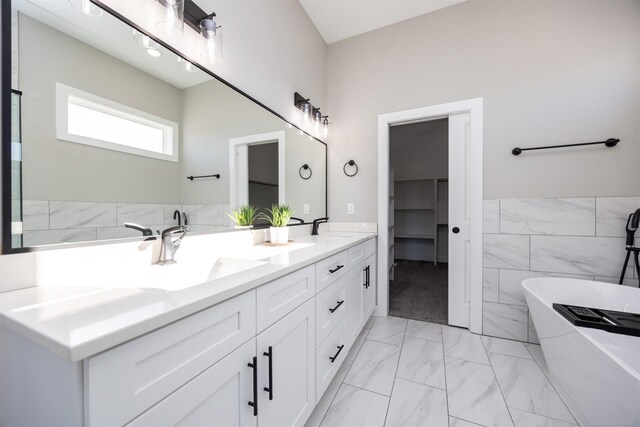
(212, 40)
(147, 43)
(306, 112)
(86, 7)
(325, 128)
(172, 21)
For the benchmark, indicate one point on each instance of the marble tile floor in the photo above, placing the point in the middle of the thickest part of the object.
(409, 373)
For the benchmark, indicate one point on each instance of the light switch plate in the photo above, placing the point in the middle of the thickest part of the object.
(307, 208)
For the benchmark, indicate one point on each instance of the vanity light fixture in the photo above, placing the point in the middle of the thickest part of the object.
(147, 43)
(311, 113)
(86, 7)
(210, 30)
(172, 21)
(188, 66)
(325, 126)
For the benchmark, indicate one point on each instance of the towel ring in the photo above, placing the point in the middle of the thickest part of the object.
(350, 163)
(305, 167)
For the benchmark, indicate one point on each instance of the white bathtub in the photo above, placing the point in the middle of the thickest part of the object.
(598, 372)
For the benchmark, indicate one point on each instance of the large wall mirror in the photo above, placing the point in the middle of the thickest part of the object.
(107, 125)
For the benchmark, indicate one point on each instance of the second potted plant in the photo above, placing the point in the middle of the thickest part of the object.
(279, 216)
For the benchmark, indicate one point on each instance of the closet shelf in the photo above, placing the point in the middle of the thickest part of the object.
(415, 236)
(420, 179)
(414, 209)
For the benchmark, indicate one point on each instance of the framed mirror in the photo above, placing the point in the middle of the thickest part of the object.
(104, 125)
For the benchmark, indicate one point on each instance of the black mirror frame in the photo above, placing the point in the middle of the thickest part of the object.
(5, 152)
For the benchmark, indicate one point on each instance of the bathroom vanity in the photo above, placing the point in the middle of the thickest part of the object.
(262, 351)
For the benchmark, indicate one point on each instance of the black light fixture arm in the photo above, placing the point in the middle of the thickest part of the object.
(611, 142)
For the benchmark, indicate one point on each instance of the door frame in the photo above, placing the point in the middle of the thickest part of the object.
(474, 107)
(235, 171)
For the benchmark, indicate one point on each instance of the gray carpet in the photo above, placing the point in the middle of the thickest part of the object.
(419, 291)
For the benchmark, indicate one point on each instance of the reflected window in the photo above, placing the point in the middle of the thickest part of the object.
(88, 119)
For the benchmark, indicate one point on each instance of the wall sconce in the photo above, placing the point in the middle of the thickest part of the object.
(172, 21)
(147, 43)
(311, 113)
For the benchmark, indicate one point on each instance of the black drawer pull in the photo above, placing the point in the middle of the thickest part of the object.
(269, 389)
(337, 306)
(254, 404)
(366, 277)
(333, 359)
(336, 269)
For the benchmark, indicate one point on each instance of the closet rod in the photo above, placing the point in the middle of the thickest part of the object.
(611, 142)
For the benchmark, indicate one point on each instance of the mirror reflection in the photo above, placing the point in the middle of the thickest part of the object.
(108, 125)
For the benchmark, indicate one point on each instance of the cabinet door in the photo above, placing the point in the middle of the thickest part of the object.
(217, 397)
(371, 289)
(355, 306)
(286, 369)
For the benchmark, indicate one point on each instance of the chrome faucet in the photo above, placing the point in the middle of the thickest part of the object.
(316, 224)
(169, 247)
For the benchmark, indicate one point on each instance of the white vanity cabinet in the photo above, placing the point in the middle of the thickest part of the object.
(260, 359)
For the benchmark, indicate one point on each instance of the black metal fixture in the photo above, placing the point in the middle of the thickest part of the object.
(254, 404)
(311, 113)
(338, 304)
(633, 222)
(316, 225)
(191, 178)
(334, 357)
(269, 389)
(611, 142)
(367, 276)
(338, 267)
(305, 167)
(351, 163)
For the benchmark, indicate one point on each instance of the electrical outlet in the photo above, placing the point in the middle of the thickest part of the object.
(351, 208)
(307, 208)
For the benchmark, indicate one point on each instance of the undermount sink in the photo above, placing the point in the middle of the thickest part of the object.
(184, 274)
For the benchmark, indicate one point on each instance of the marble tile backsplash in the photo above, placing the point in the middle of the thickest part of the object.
(47, 222)
(579, 238)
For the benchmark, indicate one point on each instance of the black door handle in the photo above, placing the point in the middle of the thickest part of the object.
(269, 389)
(333, 359)
(336, 307)
(254, 404)
(336, 269)
(455, 230)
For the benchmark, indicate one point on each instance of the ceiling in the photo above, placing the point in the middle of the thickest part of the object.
(340, 19)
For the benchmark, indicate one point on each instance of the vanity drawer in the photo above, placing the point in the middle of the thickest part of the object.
(331, 308)
(283, 295)
(359, 253)
(123, 382)
(327, 363)
(331, 269)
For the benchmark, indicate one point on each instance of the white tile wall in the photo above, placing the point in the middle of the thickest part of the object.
(53, 222)
(561, 237)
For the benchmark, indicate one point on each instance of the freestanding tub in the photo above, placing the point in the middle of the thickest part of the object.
(597, 372)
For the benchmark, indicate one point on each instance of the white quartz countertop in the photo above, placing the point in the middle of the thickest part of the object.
(77, 322)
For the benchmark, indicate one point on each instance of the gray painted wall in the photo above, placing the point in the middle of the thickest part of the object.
(549, 72)
(61, 170)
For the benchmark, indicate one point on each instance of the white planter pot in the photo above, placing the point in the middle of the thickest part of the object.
(242, 227)
(279, 234)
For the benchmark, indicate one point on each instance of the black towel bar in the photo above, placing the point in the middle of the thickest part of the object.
(611, 142)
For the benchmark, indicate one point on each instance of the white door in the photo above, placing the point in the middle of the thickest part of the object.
(355, 303)
(459, 219)
(287, 369)
(218, 396)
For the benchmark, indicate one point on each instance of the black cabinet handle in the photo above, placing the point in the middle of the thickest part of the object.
(337, 306)
(336, 269)
(254, 404)
(366, 277)
(333, 359)
(269, 389)
(455, 230)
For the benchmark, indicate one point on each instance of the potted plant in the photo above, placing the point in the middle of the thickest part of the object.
(244, 216)
(279, 217)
